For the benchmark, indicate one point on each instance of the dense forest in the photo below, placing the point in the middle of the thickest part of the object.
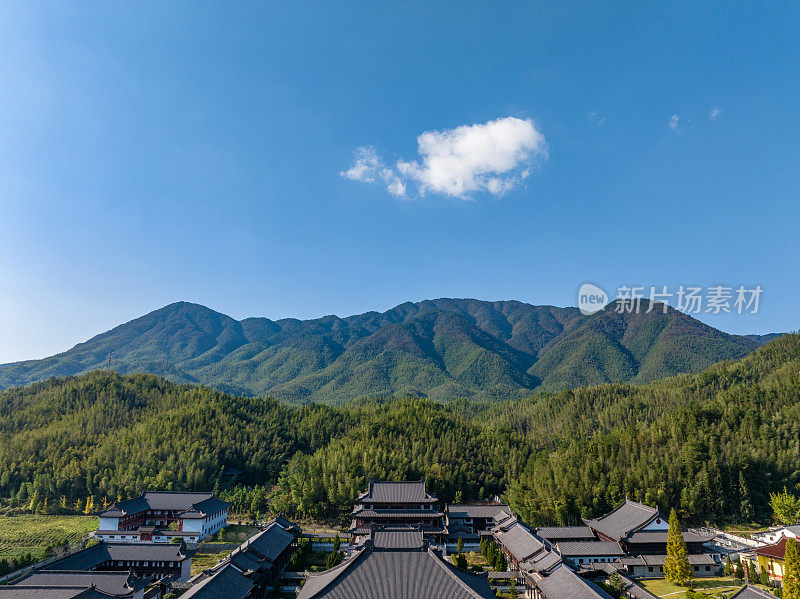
(713, 445)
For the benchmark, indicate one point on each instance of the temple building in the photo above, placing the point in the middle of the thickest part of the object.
(159, 517)
(405, 503)
(563, 583)
(641, 530)
(75, 585)
(471, 521)
(396, 563)
(142, 560)
(252, 569)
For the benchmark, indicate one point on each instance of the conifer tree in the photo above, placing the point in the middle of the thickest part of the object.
(676, 567)
(791, 570)
(460, 545)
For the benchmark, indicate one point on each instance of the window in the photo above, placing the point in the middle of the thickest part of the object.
(649, 568)
(708, 568)
(696, 568)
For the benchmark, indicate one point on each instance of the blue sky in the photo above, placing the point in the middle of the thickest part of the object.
(155, 152)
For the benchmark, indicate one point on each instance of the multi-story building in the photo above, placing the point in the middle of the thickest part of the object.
(770, 559)
(641, 530)
(143, 560)
(396, 563)
(158, 517)
(397, 504)
(251, 570)
(471, 521)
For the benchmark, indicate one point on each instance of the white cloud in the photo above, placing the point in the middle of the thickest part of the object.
(673, 121)
(597, 119)
(365, 167)
(493, 157)
(715, 112)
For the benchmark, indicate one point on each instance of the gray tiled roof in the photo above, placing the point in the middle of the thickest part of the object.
(563, 583)
(749, 591)
(397, 539)
(544, 561)
(363, 513)
(226, 583)
(244, 568)
(475, 510)
(397, 492)
(15, 592)
(589, 548)
(197, 502)
(271, 542)
(661, 537)
(699, 559)
(102, 552)
(628, 517)
(565, 533)
(519, 541)
(113, 583)
(376, 574)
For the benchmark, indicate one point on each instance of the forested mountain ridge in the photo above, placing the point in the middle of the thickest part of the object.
(443, 349)
(713, 445)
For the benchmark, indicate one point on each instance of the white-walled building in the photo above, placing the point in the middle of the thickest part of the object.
(774, 534)
(161, 516)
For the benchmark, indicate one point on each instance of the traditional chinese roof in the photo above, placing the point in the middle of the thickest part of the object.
(624, 520)
(563, 583)
(189, 504)
(589, 548)
(520, 542)
(365, 513)
(565, 533)
(90, 558)
(226, 582)
(476, 510)
(543, 562)
(749, 591)
(112, 583)
(396, 492)
(397, 538)
(246, 566)
(697, 559)
(660, 536)
(271, 542)
(395, 574)
(15, 592)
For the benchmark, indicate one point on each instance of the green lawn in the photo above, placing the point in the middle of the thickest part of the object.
(235, 533)
(661, 588)
(210, 552)
(206, 558)
(33, 533)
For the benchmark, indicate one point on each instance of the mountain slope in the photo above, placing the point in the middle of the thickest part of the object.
(712, 445)
(441, 348)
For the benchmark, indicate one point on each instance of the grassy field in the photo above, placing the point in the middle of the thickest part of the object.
(208, 554)
(207, 557)
(33, 533)
(661, 588)
(235, 533)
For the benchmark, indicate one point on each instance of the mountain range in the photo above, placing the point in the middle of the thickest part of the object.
(443, 348)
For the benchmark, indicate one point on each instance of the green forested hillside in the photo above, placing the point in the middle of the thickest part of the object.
(440, 349)
(713, 444)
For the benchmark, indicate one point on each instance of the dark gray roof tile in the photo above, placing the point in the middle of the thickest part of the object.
(397, 492)
(395, 575)
(563, 583)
